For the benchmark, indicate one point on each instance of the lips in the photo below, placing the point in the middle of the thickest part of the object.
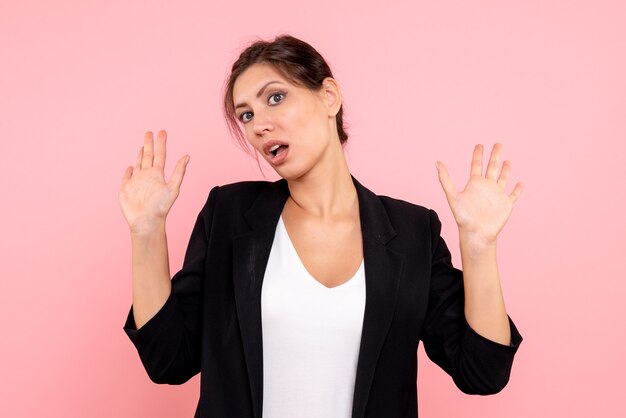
(276, 151)
(272, 147)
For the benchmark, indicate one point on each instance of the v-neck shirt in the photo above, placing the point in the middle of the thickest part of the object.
(311, 337)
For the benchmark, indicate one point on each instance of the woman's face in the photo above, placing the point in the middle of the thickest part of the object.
(291, 127)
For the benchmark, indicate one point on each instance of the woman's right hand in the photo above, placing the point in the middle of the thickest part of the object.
(145, 196)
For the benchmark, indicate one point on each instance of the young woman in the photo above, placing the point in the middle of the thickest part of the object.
(308, 296)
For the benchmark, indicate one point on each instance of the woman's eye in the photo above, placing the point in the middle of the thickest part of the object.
(280, 97)
(273, 99)
(243, 117)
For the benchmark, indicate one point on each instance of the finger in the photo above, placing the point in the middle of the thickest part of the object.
(517, 191)
(476, 168)
(127, 174)
(504, 174)
(160, 149)
(494, 161)
(139, 158)
(148, 151)
(445, 180)
(178, 174)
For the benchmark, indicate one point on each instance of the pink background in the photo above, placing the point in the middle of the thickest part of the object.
(80, 82)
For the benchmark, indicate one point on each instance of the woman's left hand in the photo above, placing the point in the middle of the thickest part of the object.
(483, 207)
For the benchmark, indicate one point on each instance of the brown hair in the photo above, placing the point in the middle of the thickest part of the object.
(295, 60)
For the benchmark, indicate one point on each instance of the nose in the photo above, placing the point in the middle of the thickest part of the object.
(261, 123)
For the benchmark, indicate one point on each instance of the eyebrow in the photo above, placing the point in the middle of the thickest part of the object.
(258, 94)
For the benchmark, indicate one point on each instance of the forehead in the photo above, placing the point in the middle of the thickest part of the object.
(252, 79)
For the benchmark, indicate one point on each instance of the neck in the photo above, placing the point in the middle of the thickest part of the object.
(327, 191)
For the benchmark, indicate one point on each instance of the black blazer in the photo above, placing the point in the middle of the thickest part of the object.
(211, 322)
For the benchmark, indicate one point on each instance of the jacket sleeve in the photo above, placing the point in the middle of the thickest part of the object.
(476, 364)
(169, 343)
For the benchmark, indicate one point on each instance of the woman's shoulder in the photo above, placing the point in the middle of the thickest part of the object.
(400, 210)
(411, 218)
(391, 216)
(391, 204)
(242, 195)
(244, 187)
(394, 203)
(404, 214)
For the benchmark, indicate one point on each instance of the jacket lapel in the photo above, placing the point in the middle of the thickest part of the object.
(382, 276)
(382, 272)
(250, 254)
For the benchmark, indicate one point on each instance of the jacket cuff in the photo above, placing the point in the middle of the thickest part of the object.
(485, 345)
(157, 328)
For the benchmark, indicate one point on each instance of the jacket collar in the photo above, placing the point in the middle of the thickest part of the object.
(383, 267)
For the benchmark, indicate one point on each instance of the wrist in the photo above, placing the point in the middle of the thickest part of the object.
(147, 228)
(477, 241)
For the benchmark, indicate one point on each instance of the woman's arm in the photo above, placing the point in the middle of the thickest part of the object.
(478, 365)
(484, 303)
(146, 198)
(151, 273)
(164, 322)
(481, 211)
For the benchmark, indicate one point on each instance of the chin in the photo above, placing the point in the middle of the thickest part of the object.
(290, 173)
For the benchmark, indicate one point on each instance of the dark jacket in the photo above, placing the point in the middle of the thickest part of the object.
(211, 323)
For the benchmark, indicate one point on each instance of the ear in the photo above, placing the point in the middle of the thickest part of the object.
(331, 95)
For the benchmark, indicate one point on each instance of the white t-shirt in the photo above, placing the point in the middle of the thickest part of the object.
(311, 337)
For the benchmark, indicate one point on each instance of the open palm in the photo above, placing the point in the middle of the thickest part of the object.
(145, 197)
(482, 208)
